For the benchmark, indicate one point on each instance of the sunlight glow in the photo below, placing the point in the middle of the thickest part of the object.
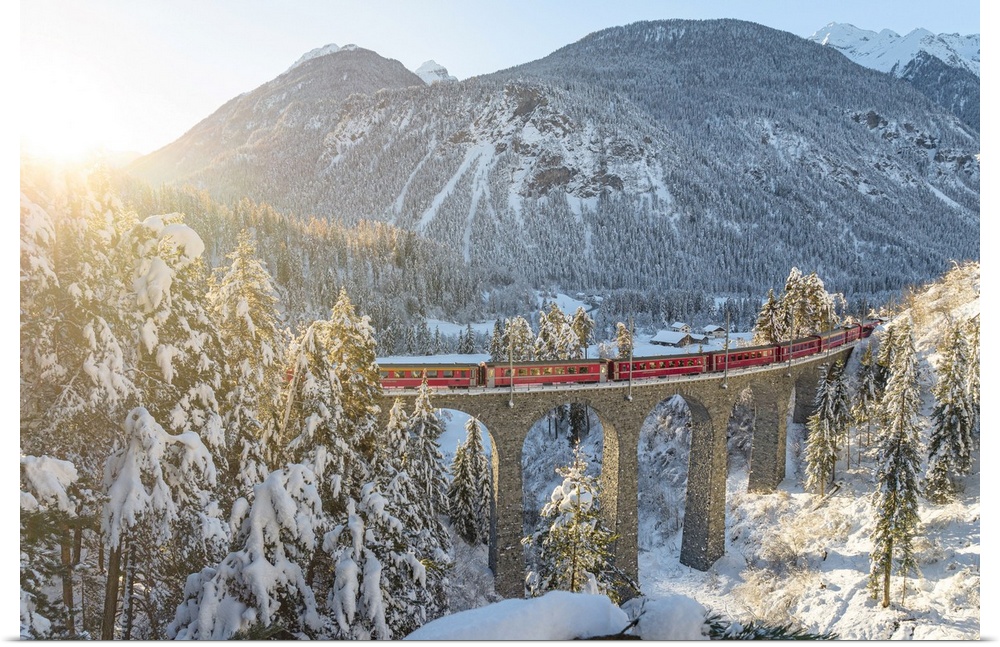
(65, 115)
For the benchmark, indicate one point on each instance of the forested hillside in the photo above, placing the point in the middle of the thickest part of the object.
(678, 155)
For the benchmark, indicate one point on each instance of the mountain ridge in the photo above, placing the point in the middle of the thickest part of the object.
(643, 137)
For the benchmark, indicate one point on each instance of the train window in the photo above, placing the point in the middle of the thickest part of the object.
(534, 371)
(399, 374)
(571, 370)
(383, 374)
(584, 369)
(448, 373)
(670, 364)
(432, 373)
(547, 370)
(522, 372)
(560, 370)
(418, 373)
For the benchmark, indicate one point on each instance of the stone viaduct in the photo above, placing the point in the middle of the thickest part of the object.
(622, 411)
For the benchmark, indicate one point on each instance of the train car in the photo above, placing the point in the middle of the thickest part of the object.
(742, 357)
(799, 348)
(854, 333)
(832, 339)
(411, 376)
(573, 371)
(642, 368)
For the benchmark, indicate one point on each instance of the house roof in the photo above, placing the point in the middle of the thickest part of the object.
(712, 328)
(669, 337)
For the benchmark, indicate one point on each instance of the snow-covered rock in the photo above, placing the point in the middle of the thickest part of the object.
(557, 615)
(432, 72)
(887, 51)
(321, 51)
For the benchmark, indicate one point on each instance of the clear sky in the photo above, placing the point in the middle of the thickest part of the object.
(136, 74)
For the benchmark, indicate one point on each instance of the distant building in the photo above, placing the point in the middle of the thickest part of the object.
(714, 332)
(677, 326)
(671, 338)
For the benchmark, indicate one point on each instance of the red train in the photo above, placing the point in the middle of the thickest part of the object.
(582, 371)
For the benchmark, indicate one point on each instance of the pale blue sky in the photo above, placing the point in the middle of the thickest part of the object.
(135, 75)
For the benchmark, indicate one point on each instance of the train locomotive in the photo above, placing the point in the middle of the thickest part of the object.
(594, 371)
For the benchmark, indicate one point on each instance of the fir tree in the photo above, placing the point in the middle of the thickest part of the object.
(498, 343)
(575, 548)
(353, 356)
(972, 382)
(521, 340)
(556, 339)
(424, 462)
(160, 522)
(76, 348)
(895, 498)
(840, 407)
(261, 584)
(865, 406)
(180, 363)
(425, 537)
(467, 342)
(623, 338)
(244, 305)
(470, 491)
(583, 325)
(771, 322)
(821, 452)
(379, 585)
(314, 416)
(949, 453)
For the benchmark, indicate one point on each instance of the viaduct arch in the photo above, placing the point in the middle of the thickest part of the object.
(623, 410)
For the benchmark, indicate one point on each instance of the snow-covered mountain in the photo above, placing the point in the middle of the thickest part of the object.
(944, 67)
(887, 51)
(432, 72)
(699, 155)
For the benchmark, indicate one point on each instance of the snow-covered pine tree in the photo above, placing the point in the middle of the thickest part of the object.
(50, 507)
(521, 339)
(470, 493)
(840, 407)
(866, 396)
(379, 587)
(261, 585)
(574, 550)
(895, 498)
(160, 521)
(949, 451)
(805, 305)
(244, 307)
(556, 338)
(424, 462)
(314, 416)
(623, 337)
(180, 363)
(821, 453)
(75, 348)
(972, 383)
(422, 535)
(883, 359)
(467, 342)
(498, 342)
(771, 326)
(353, 354)
(583, 325)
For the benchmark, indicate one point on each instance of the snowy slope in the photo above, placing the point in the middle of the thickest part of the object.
(887, 51)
